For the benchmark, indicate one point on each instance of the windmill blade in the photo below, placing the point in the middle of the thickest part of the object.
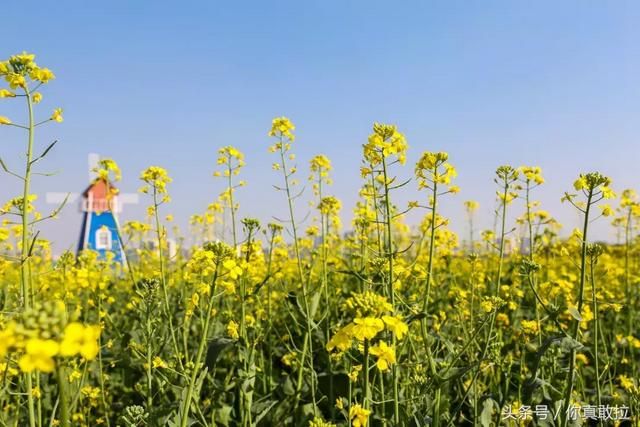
(128, 198)
(56, 198)
(93, 160)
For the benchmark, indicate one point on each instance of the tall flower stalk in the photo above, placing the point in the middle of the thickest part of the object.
(282, 129)
(434, 174)
(593, 252)
(328, 208)
(506, 176)
(147, 292)
(470, 207)
(629, 212)
(274, 232)
(232, 161)
(213, 262)
(24, 78)
(386, 146)
(531, 178)
(156, 180)
(593, 187)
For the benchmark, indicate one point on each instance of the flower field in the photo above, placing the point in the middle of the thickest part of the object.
(306, 321)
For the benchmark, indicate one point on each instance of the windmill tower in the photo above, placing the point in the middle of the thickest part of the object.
(100, 205)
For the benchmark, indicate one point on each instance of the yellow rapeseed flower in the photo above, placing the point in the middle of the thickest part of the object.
(39, 355)
(282, 127)
(232, 330)
(529, 327)
(359, 416)
(396, 325)
(366, 328)
(471, 205)
(319, 422)
(155, 177)
(80, 339)
(159, 363)
(7, 339)
(385, 141)
(233, 269)
(606, 210)
(342, 339)
(56, 116)
(386, 355)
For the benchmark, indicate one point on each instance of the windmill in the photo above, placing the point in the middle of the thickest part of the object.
(100, 205)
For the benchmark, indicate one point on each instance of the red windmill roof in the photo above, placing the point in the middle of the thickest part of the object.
(98, 197)
(99, 189)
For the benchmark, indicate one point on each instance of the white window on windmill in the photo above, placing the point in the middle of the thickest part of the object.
(103, 238)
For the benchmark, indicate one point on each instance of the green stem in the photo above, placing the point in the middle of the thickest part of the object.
(63, 398)
(269, 324)
(103, 394)
(232, 207)
(149, 359)
(39, 405)
(24, 261)
(533, 282)
(390, 255)
(576, 323)
(25, 279)
(496, 291)
(596, 327)
(163, 279)
(186, 404)
(627, 272)
(425, 304)
(303, 282)
(367, 391)
(324, 226)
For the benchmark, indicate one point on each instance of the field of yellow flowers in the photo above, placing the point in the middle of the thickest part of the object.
(306, 325)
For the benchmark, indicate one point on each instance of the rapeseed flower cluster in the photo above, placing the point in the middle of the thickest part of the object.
(241, 323)
(39, 336)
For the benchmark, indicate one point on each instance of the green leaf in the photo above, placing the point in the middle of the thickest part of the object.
(198, 385)
(216, 347)
(315, 302)
(569, 344)
(308, 410)
(487, 412)
(417, 316)
(287, 387)
(266, 407)
(575, 313)
(223, 415)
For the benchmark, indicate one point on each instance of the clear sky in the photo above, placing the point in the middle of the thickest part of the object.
(548, 83)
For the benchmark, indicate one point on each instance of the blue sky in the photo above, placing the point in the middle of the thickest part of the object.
(554, 84)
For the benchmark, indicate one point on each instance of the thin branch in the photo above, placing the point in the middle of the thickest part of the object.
(6, 169)
(44, 153)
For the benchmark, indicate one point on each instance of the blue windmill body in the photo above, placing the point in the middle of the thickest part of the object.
(100, 205)
(99, 230)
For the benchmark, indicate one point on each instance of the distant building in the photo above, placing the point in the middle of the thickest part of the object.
(100, 204)
(99, 230)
